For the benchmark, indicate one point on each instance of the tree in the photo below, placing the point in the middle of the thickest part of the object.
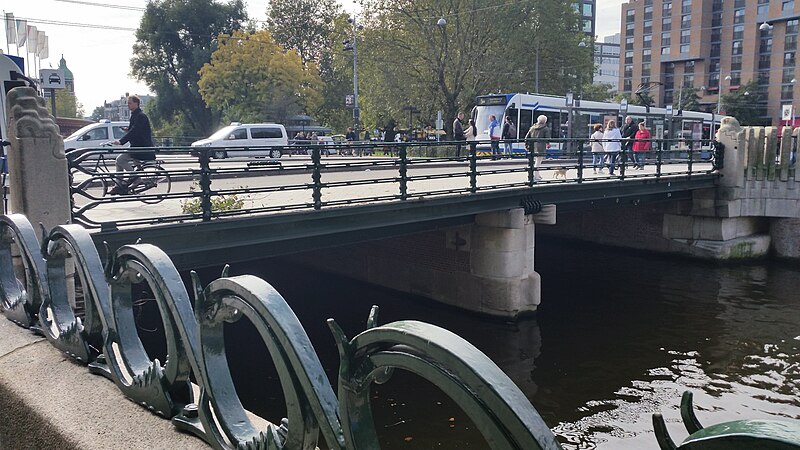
(745, 104)
(601, 92)
(67, 105)
(98, 113)
(686, 99)
(174, 40)
(411, 60)
(251, 78)
(303, 25)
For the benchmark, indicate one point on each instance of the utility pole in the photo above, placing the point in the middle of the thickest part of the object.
(352, 46)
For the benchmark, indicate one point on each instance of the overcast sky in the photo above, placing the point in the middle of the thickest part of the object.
(99, 55)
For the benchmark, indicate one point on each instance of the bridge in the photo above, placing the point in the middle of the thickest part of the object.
(477, 229)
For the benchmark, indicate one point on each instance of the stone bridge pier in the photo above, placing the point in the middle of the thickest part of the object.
(485, 267)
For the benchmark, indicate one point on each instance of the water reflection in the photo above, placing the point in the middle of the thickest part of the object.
(618, 337)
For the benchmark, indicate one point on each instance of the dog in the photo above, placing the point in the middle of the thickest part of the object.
(560, 172)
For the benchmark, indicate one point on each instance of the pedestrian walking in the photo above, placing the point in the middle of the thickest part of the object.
(471, 133)
(597, 148)
(612, 145)
(494, 136)
(458, 133)
(536, 141)
(641, 146)
(628, 133)
(509, 135)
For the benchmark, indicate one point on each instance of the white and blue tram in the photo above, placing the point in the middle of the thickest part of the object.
(525, 108)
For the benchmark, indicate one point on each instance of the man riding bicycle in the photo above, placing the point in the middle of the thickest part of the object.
(139, 135)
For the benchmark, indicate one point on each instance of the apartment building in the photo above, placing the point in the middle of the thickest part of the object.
(606, 61)
(713, 46)
(587, 10)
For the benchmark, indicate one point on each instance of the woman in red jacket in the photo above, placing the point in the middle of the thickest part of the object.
(641, 145)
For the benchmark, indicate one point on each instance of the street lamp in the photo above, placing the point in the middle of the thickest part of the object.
(352, 46)
(719, 94)
(765, 26)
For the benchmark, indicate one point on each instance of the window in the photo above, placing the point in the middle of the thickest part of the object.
(787, 92)
(716, 34)
(765, 45)
(715, 50)
(587, 9)
(628, 71)
(686, 6)
(787, 6)
(627, 85)
(646, 55)
(688, 67)
(738, 31)
(688, 80)
(645, 80)
(764, 61)
(763, 77)
(648, 12)
(666, 23)
(736, 79)
(686, 21)
(685, 48)
(667, 7)
(686, 37)
(587, 26)
(118, 132)
(665, 38)
(647, 41)
(646, 69)
(736, 63)
(668, 97)
(629, 15)
(96, 134)
(716, 19)
(629, 28)
(738, 16)
(648, 26)
(713, 65)
(791, 26)
(239, 133)
(788, 75)
(713, 80)
(266, 133)
(788, 59)
(736, 48)
(665, 50)
(790, 42)
(629, 57)
(629, 43)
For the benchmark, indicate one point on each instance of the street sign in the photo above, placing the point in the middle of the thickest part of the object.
(349, 101)
(569, 99)
(439, 121)
(52, 79)
(669, 110)
(786, 112)
(623, 106)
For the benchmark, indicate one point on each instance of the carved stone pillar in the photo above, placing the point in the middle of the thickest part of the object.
(37, 166)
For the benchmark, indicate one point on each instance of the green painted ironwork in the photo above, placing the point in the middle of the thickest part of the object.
(745, 434)
(109, 344)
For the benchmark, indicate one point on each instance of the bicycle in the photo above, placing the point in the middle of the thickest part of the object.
(147, 177)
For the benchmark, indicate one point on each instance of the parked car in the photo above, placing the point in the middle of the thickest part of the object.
(95, 135)
(249, 139)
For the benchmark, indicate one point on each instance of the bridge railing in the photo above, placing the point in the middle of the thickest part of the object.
(204, 183)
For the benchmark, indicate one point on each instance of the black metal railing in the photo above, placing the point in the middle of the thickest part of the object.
(189, 183)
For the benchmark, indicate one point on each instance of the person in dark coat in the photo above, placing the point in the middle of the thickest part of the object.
(458, 133)
(139, 134)
(628, 132)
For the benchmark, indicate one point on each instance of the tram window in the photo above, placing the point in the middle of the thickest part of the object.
(512, 113)
(525, 121)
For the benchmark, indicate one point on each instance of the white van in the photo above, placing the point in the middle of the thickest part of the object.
(95, 134)
(271, 136)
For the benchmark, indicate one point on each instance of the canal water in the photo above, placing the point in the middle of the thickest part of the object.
(618, 336)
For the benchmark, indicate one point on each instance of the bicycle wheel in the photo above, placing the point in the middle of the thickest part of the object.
(152, 180)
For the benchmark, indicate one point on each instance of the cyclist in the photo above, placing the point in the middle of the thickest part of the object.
(139, 135)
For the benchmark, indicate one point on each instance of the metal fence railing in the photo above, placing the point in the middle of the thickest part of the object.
(189, 183)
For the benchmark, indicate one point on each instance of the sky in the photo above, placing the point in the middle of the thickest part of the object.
(99, 54)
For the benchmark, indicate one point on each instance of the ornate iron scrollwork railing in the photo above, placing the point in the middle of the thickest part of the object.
(108, 342)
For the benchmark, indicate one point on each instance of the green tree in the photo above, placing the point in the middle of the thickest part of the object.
(98, 113)
(303, 25)
(601, 92)
(251, 78)
(744, 104)
(174, 40)
(686, 99)
(409, 60)
(67, 105)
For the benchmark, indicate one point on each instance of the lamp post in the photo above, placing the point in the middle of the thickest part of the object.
(348, 45)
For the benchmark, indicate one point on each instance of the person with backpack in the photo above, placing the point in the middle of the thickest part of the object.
(494, 136)
(536, 142)
(509, 135)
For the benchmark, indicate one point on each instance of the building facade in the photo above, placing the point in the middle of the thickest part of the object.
(606, 61)
(713, 47)
(587, 10)
(117, 110)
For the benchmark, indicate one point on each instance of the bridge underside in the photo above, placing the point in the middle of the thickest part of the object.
(204, 244)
